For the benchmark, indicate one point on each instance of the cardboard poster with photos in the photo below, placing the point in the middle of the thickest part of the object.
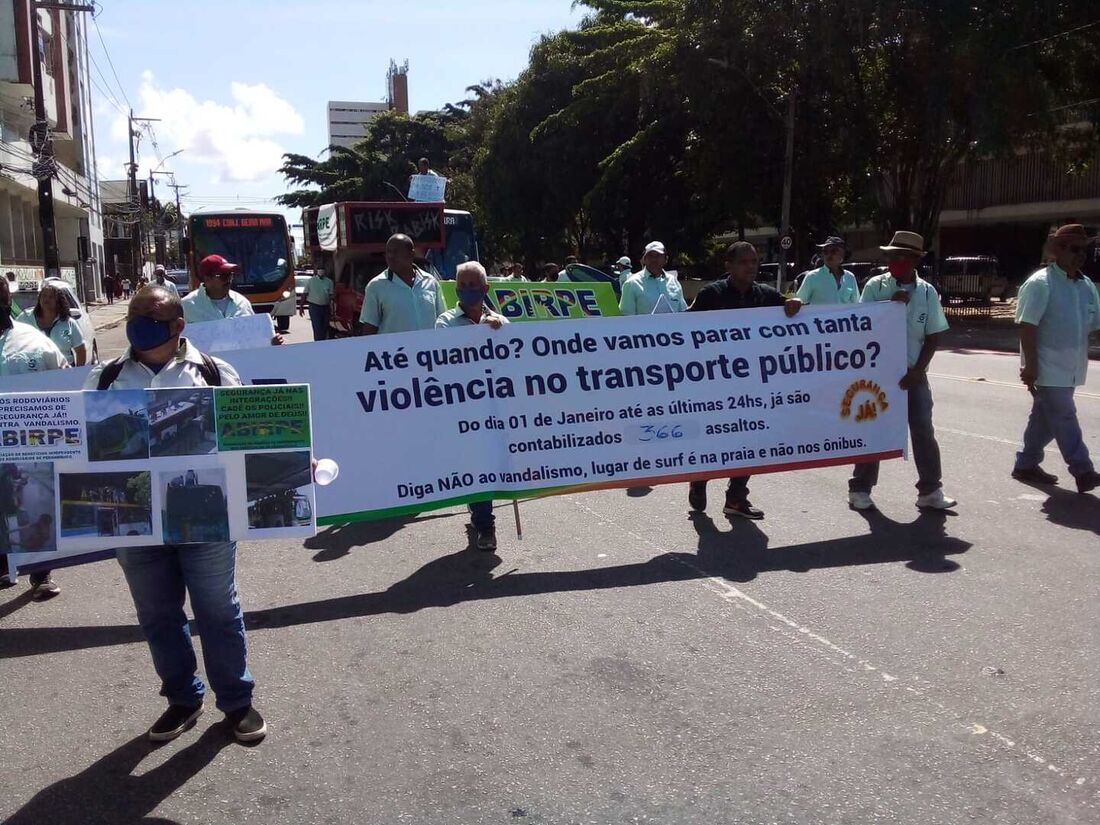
(90, 471)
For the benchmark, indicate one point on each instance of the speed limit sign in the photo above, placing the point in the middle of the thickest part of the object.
(786, 242)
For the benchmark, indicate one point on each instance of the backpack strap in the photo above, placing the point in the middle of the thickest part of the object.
(110, 372)
(209, 371)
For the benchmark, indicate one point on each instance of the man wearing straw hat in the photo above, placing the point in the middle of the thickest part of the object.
(924, 321)
(1057, 308)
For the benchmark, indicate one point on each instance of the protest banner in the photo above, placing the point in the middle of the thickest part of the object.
(430, 419)
(427, 188)
(528, 301)
(241, 332)
(91, 471)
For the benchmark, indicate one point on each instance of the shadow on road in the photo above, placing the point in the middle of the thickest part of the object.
(739, 554)
(1069, 509)
(109, 792)
(337, 541)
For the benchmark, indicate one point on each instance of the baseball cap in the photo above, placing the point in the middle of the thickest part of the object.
(159, 268)
(215, 265)
(655, 246)
(623, 261)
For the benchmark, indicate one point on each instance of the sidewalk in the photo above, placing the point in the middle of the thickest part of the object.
(108, 316)
(997, 332)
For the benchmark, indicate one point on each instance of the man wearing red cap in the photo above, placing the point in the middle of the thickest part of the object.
(1057, 308)
(214, 300)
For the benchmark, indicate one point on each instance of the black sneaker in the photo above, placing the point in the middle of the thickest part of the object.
(1087, 482)
(743, 509)
(697, 496)
(248, 725)
(173, 722)
(45, 590)
(1034, 475)
(487, 540)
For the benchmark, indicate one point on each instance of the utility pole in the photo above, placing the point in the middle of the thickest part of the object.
(179, 217)
(137, 245)
(788, 175)
(45, 167)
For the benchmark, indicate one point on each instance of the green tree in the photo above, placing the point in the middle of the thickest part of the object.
(138, 489)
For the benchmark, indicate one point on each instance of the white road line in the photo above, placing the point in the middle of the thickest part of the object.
(994, 438)
(1015, 385)
(800, 634)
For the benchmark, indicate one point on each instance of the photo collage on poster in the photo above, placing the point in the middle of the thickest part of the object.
(86, 471)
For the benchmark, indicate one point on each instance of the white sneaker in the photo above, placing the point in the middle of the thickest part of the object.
(936, 500)
(861, 501)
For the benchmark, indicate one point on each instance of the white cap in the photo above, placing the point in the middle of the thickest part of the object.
(623, 261)
(159, 268)
(654, 246)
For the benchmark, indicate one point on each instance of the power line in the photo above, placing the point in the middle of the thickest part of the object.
(1066, 33)
(110, 98)
(110, 62)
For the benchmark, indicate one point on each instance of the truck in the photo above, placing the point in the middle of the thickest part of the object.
(348, 239)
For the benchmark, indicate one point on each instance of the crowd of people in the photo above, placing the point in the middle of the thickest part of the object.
(1058, 308)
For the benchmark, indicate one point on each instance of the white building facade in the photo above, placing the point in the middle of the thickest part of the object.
(348, 119)
(67, 93)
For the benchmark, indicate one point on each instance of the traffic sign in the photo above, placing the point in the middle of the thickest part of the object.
(786, 242)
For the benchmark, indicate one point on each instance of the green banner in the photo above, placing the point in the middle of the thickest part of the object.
(525, 301)
(262, 418)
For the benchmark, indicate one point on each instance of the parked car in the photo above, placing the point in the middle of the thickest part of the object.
(301, 279)
(769, 272)
(26, 297)
(181, 278)
(971, 278)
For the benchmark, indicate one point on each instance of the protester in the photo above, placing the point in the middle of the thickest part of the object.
(1057, 308)
(318, 297)
(472, 286)
(737, 290)
(622, 270)
(550, 272)
(109, 288)
(160, 577)
(925, 321)
(214, 299)
(424, 167)
(831, 284)
(160, 278)
(643, 291)
(125, 287)
(401, 298)
(50, 315)
(23, 349)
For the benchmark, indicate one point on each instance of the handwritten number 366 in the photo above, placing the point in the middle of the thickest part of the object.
(659, 433)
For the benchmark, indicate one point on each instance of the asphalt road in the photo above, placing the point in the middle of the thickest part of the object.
(624, 663)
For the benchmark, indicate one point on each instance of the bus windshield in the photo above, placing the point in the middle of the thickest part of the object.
(261, 251)
(461, 244)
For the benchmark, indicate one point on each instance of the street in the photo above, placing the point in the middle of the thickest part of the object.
(625, 662)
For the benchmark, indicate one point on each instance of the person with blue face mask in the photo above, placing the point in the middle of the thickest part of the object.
(472, 286)
(161, 577)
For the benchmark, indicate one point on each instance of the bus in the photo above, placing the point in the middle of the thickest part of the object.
(348, 240)
(258, 242)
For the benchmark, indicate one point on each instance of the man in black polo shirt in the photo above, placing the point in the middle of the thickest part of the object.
(738, 290)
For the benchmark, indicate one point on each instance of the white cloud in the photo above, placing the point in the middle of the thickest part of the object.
(238, 139)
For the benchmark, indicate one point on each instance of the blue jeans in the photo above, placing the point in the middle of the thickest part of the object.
(1054, 418)
(159, 579)
(926, 450)
(481, 515)
(318, 317)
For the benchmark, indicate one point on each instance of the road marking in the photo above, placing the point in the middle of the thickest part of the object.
(994, 438)
(803, 635)
(1015, 385)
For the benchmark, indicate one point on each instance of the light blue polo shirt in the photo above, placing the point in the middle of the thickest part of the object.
(820, 287)
(393, 306)
(923, 314)
(319, 290)
(642, 291)
(65, 332)
(1064, 311)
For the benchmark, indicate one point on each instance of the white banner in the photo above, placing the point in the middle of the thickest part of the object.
(327, 233)
(88, 471)
(225, 334)
(428, 419)
(427, 188)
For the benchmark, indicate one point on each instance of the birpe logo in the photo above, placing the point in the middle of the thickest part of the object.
(870, 397)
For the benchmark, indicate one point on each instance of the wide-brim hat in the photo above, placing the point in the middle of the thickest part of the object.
(905, 242)
(1074, 231)
(832, 240)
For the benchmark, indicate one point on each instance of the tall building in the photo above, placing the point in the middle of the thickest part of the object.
(348, 119)
(66, 82)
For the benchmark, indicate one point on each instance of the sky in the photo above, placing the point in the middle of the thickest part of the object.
(236, 83)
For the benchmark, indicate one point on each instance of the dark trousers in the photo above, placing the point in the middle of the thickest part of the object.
(926, 451)
(737, 490)
(318, 317)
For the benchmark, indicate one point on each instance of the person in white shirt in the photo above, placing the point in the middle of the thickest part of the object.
(214, 300)
(644, 290)
(160, 279)
(563, 275)
(161, 577)
(831, 283)
(23, 349)
(622, 270)
(318, 297)
(50, 316)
